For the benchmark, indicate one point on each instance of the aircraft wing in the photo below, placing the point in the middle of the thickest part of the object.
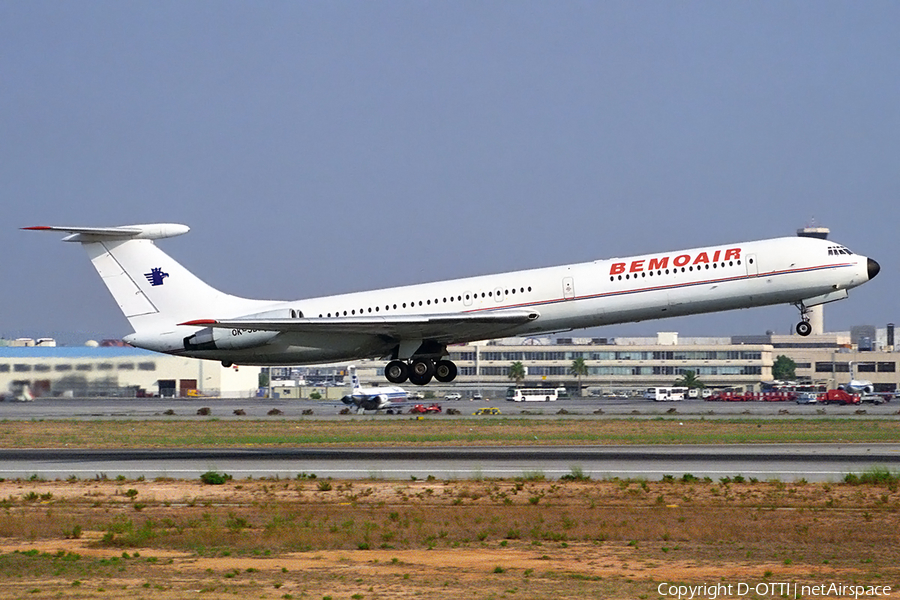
(444, 327)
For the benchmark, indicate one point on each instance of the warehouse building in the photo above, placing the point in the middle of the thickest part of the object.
(118, 371)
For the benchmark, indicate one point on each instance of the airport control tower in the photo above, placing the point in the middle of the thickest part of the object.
(816, 313)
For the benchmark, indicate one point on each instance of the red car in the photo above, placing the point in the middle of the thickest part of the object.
(421, 409)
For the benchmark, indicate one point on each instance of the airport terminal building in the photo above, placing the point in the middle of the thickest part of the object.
(626, 363)
(623, 364)
(632, 364)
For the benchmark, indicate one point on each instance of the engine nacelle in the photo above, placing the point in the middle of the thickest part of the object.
(366, 402)
(217, 338)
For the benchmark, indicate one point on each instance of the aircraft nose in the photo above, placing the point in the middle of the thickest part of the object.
(874, 268)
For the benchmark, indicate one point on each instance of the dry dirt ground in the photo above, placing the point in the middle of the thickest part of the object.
(521, 539)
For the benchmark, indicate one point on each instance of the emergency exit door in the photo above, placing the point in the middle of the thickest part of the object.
(568, 288)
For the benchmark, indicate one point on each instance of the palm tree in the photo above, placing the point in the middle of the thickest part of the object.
(579, 368)
(517, 372)
(689, 379)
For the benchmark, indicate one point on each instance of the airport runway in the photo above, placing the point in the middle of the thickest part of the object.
(813, 462)
(785, 462)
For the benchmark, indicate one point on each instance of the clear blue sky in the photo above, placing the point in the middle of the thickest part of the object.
(323, 147)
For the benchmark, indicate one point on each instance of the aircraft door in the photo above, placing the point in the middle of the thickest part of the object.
(752, 265)
(568, 288)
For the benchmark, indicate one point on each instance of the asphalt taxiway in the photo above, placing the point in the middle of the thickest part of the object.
(243, 408)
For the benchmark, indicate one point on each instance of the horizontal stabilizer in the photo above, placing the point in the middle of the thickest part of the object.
(154, 231)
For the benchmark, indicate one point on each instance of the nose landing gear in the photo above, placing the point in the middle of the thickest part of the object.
(803, 328)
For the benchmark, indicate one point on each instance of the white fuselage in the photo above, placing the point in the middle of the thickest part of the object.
(602, 292)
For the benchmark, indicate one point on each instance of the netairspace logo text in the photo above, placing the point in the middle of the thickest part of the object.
(792, 589)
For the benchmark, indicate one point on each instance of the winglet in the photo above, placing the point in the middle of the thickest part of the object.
(199, 322)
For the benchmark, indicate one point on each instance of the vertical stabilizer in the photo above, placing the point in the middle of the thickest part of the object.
(152, 289)
(354, 379)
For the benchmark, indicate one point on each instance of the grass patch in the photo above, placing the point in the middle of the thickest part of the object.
(499, 431)
(877, 475)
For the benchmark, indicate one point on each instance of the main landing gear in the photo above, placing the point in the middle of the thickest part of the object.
(803, 327)
(420, 371)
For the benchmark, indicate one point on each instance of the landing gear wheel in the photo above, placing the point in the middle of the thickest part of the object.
(803, 327)
(421, 371)
(396, 371)
(445, 371)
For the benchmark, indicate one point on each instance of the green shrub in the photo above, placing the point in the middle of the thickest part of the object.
(874, 476)
(215, 478)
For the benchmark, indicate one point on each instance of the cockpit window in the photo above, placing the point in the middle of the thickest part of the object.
(835, 250)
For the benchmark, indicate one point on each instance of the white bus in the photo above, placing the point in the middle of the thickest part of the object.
(534, 394)
(665, 394)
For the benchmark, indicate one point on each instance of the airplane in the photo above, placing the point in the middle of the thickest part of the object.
(19, 391)
(857, 386)
(388, 398)
(174, 312)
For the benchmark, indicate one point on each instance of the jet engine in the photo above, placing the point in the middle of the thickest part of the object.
(216, 338)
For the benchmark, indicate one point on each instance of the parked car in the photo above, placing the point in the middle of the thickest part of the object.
(807, 398)
(453, 396)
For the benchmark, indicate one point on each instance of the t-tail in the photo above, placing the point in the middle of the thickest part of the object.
(153, 290)
(354, 380)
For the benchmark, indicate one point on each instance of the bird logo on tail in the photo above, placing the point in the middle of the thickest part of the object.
(156, 276)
